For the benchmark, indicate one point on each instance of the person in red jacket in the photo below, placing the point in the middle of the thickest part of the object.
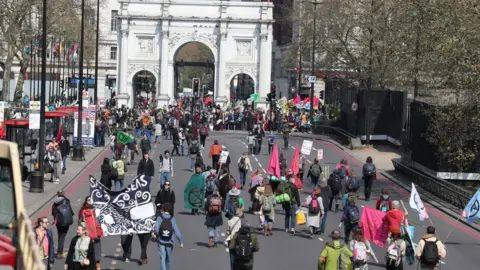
(395, 218)
(87, 215)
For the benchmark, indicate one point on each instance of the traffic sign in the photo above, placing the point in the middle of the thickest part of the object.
(101, 102)
(354, 106)
(84, 93)
(312, 79)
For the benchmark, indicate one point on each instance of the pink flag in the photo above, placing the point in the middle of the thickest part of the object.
(296, 100)
(60, 133)
(295, 164)
(274, 164)
(375, 227)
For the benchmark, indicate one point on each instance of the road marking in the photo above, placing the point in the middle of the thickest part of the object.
(259, 164)
(292, 147)
(320, 239)
(442, 262)
(314, 148)
(118, 250)
(114, 262)
(264, 170)
(193, 249)
(256, 159)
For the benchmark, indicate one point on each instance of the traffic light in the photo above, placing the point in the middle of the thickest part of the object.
(195, 85)
(61, 84)
(321, 95)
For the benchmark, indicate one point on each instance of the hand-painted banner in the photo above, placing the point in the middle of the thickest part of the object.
(125, 212)
(374, 226)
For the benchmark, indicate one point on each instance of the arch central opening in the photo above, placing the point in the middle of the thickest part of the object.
(194, 72)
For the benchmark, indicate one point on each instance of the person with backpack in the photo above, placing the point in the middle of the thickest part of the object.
(250, 143)
(244, 244)
(326, 195)
(395, 217)
(233, 202)
(62, 213)
(396, 250)
(215, 151)
(165, 230)
(315, 172)
(271, 142)
(350, 218)
(203, 131)
(194, 192)
(243, 167)
(267, 209)
(335, 184)
(430, 250)
(87, 215)
(314, 203)
(286, 136)
(194, 149)
(361, 250)
(384, 203)
(369, 174)
(213, 218)
(291, 204)
(120, 168)
(335, 255)
(343, 170)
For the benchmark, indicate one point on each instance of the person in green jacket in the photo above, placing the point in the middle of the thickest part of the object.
(145, 145)
(194, 192)
(333, 253)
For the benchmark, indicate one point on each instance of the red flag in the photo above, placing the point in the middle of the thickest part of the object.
(295, 164)
(60, 133)
(375, 227)
(274, 164)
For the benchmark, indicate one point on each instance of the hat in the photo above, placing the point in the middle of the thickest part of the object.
(234, 192)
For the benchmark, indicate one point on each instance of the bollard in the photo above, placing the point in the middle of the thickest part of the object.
(36, 182)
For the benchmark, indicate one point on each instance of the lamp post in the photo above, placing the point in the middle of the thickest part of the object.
(315, 3)
(95, 90)
(78, 148)
(41, 139)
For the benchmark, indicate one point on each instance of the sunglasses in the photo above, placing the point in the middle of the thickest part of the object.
(167, 184)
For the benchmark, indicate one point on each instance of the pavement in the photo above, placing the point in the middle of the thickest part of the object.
(281, 251)
(36, 201)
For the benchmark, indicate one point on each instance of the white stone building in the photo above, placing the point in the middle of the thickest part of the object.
(149, 34)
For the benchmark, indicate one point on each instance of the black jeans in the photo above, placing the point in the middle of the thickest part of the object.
(259, 147)
(126, 242)
(215, 159)
(368, 187)
(285, 142)
(62, 232)
(175, 149)
(270, 147)
(202, 139)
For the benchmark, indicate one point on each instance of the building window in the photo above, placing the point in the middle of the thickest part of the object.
(113, 53)
(113, 22)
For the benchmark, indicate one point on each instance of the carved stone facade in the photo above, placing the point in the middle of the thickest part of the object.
(229, 29)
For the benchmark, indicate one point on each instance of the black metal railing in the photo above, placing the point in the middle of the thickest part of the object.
(444, 190)
(335, 133)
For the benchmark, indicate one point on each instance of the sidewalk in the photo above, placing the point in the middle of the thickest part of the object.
(37, 201)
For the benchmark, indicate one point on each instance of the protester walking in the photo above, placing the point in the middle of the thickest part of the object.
(314, 204)
(120, 168)
(361, 250)
(244, 244)
(350, 218)
(87, 215)
(290, 204)
(396, 250)
(62, 213)
(369, 174)
(146, 168)
(81, 253)
(315, 172)
(244, 166)
(107, 174)
(165, 195)
(326, 194)
(44, 240)
(166, 229)
(165, 168)
(430, 250)
(64, 152)
(203, 134)
(267, 209)
(330, 258)
(215, 151)
(126, 243)
(213, 218)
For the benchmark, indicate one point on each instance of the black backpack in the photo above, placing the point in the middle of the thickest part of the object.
(194, 149)
(430, 255)
(64, 215)
(166, 229)
(244, 247)
(241, 165)
(370, 170)
(336, 183)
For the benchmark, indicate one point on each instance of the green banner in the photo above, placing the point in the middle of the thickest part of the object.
(124, 138)
(255, 97)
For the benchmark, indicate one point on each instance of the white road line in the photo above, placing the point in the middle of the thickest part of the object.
(314, 148)
(260, 164)
(264, 170)
(292, 147)
(256, 159)
(320, 239)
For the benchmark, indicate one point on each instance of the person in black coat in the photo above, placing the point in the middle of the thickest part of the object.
(106, 177)
(369, 174)
(146, 167)
(62, 229)
(64, 151)
(70, 262)
(326, 195)
(165, 195)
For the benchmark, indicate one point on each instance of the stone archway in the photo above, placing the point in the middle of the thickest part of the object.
(242, 86)
(143, 86)
(193, 59)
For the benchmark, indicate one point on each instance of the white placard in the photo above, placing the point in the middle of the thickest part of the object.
(312, 79)
(306, 147)
(320, 154)
(223, 157)
(34, 120)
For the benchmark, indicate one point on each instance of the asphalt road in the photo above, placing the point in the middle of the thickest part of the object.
(282, 251)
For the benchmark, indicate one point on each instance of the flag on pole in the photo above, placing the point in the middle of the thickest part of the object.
(417, 204)
(124, 138)
(274, 164)
(472, 210)
(295, 164)
(49, 49)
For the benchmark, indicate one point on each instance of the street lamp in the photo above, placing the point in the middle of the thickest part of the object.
(95, 90)
(315, 3)
(78, 148)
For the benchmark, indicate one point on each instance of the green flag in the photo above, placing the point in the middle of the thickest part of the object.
(124, 138)
(255, 97)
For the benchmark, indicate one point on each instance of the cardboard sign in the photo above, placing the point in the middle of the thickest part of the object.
(306, 147)
(223, 157)
(320, 154)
